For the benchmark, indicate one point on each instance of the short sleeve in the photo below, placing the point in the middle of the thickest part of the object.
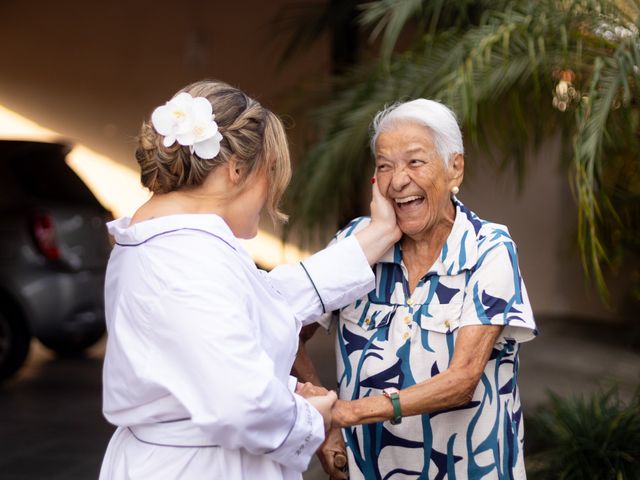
(495, 294)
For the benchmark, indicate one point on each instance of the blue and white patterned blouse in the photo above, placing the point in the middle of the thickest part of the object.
(392, 339)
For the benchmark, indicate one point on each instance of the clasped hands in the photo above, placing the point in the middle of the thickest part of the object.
(332, 453)
(336, 413)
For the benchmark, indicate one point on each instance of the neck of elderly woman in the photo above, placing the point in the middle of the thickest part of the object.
(420, 250)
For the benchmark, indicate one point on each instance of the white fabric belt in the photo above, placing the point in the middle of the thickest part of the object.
(177, 433)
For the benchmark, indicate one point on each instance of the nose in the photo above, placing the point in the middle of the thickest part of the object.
(400, 179)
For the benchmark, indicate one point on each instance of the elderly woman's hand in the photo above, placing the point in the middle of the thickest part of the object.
(333, 455)
(324, 405)
(343, 414)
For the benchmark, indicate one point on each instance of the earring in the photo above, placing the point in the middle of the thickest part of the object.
(455, 190)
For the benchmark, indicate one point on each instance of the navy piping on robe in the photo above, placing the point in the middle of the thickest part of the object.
(168, 444)
(324, 310)
(173, 231)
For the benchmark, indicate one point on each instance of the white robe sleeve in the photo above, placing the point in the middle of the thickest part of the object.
(204, 351)
(330, 279)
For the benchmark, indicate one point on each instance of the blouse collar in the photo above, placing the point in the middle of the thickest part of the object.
(460, 251)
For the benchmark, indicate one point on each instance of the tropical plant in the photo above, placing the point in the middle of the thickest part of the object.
(515, 71)
(583, 438)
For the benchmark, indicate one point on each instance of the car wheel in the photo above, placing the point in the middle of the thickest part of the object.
(75, 346)
(14, 343)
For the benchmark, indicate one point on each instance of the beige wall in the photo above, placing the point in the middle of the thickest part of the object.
(542, 221)
(93, 70)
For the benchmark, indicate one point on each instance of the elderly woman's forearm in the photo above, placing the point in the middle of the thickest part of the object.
(452, 388)
(455, 386)
(448, 390)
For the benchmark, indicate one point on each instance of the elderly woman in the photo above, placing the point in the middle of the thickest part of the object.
(428, 360)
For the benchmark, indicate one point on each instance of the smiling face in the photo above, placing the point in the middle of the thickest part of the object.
(411, 173)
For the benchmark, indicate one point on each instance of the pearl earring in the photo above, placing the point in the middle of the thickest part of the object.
(455, 190)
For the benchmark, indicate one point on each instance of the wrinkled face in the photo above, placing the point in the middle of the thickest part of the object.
(412, 174)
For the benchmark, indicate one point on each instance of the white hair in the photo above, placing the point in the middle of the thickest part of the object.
(439, 119)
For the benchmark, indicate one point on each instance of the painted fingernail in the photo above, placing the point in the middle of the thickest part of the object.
(373, 180)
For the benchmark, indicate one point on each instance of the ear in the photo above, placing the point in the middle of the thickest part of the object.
(456, 170)
(234, 170)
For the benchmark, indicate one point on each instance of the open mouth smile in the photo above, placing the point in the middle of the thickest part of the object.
(406, 203)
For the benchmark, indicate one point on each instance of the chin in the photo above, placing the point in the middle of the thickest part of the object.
(411, 228)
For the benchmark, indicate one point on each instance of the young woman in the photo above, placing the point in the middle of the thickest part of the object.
(201, 342)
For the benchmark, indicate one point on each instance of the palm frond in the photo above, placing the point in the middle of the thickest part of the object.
(499, 69)
(614, 85)
(392, 16)
(587, 437)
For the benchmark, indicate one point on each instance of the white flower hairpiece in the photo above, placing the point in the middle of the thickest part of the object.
(190, 121)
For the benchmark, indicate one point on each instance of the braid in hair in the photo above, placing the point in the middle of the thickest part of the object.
(243, 124)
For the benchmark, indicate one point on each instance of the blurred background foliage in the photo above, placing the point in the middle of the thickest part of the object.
(580, 438)
(515, 72)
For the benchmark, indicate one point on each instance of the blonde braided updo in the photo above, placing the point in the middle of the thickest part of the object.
(252, 134)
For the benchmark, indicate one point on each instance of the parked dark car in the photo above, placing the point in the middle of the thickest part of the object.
(54, 248)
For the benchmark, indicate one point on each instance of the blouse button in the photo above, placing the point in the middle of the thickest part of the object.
(405, 335)
(407, 320)
(447, 323)
(409, 302)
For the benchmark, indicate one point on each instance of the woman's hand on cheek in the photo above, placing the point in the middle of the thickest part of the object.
(383, 231)
(383, 215)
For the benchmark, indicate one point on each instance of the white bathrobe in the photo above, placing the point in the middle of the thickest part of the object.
(200, 345)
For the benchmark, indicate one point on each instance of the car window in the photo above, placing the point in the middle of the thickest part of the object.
(11, 196)
(42, 173)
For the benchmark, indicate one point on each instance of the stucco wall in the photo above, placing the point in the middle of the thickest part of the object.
(542, 220)
(93, 70)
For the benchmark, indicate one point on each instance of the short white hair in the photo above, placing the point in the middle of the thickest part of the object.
(438, 118)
